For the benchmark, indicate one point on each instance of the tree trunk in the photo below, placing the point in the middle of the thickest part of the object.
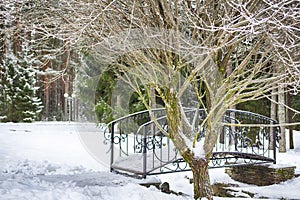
(199, 166)
(281, 119)
(202, 186)
(289, 120)
(273, 116)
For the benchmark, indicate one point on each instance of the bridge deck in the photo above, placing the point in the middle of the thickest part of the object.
(135, 164)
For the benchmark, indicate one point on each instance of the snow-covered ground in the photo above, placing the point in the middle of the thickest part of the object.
(50, 160)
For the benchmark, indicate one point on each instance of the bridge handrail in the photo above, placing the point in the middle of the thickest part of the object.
(228, 116)
(187, 109)
(253, 114)
(157, 119)
(141, 112)
(134, 114)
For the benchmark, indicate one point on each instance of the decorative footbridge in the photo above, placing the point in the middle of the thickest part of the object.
(139, 148)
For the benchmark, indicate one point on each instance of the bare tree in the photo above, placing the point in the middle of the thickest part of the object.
(174, 47)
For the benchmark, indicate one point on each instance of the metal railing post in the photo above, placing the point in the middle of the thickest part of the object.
(144, 154)
(112, 146)
(274, 144)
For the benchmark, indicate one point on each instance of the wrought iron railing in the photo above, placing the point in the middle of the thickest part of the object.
(139, 147)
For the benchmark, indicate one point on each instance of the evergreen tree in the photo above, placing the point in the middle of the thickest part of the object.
(3, 88)
(18, 91)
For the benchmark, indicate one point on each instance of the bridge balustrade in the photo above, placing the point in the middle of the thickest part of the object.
(138, 146)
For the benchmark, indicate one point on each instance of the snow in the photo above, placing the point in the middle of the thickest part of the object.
(198, 150)
(61, 160)
(49, 161)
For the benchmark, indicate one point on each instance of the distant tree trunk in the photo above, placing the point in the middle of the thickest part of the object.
(66, 100)
(289, 120)
(273, 115)
(281, 119)
(2, 35)
(232, 114)
(153, 105)
(152, 98)
(46, 97)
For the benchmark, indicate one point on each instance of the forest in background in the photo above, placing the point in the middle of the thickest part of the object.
(35, 79)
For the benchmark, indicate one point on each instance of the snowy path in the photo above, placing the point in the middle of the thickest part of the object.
(54, 142)
(49, 161)
(62, 161)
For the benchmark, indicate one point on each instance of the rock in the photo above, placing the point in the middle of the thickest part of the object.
(221, 190)
(261, 175)
(165, 187)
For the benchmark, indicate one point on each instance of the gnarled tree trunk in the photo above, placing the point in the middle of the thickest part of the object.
(202, 186)
(199, 166)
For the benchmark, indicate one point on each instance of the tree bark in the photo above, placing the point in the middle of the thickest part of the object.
(273, 116)
(289, 120)
(281, 118)
(199, 166)
(202, 186)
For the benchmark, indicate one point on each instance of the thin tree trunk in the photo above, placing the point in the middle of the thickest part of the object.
(153, 105)
(66, 100)
(46, 97)
(289, 120)
(281, 118)
(273, 116)
(232, 115)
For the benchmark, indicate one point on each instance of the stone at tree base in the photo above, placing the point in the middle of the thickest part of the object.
(165, 187)
(261, 175)
(222, 190)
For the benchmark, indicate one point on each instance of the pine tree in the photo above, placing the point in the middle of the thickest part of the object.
(3, 88)
(18, 89)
